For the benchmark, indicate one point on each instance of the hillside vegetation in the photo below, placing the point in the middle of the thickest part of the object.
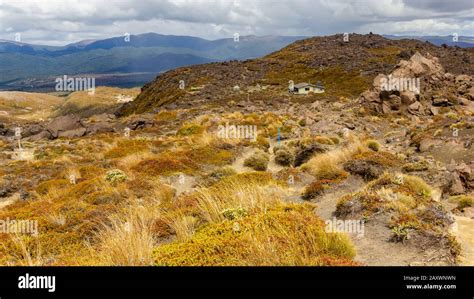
(218, 175)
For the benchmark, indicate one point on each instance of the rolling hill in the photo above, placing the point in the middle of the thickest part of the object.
(347, 69)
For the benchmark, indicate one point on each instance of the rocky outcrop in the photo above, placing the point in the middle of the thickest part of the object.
(66, 126)
(418, 86)
(70, 126)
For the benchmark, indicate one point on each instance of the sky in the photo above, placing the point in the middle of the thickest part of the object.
(59, 22)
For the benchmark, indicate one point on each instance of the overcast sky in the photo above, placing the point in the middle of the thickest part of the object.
(59, 22)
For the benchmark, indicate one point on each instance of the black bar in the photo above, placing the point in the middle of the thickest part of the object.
(243, 282)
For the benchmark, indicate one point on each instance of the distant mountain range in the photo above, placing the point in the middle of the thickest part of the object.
(26, 66)
(462, 41)
(120, 61)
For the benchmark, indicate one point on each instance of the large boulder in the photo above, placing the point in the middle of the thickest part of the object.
(79, 132)
(43, 135)
(32, 130)
(68, 126)
(141, 122)
(419, 66)
(408, 97)
(466, 174)
(369, 170)
(463, 83)
(470, 94)
(426, 144)
(102, 123)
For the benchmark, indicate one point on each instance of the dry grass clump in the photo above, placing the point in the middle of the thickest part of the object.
(25, 250)
(213, 154)
(315, 189)
(290, 175)
(190, 129)
(416, 166)
(128, 236)
(326, 165)
(181, 224)
(126, 241)
(382, 158)
(262, 143)
(324, 140)
(417, 186)
(47, 186)
(237, 192)
(165, 116)
(128, 162)
(165, 164)
(462, 201)
(217, 174)
(125, 147)
(328, 171)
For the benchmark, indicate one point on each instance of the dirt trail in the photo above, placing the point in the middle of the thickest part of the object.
(4, 202)
(238, 164)
(464, 232)
(374, 247)
(327, 203)
(272, 165)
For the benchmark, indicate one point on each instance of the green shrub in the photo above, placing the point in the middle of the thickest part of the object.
(284, 157)
(188, 130)
(400, 233)
(232, 214)
(373, 145)
(416, 166)
(258, 161)
(463, 201)
(313, 190)
(115, 176)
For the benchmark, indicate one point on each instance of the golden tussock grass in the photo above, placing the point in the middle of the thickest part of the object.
(127, 240)
(237, 192)
(182, 224)
(26, 250)
(327, 165)
(127, 237)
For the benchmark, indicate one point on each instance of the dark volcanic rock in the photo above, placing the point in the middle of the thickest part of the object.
(66, 126)
(369, 170)
(305, 152)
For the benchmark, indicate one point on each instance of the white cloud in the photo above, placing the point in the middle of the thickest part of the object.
(65, 21)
